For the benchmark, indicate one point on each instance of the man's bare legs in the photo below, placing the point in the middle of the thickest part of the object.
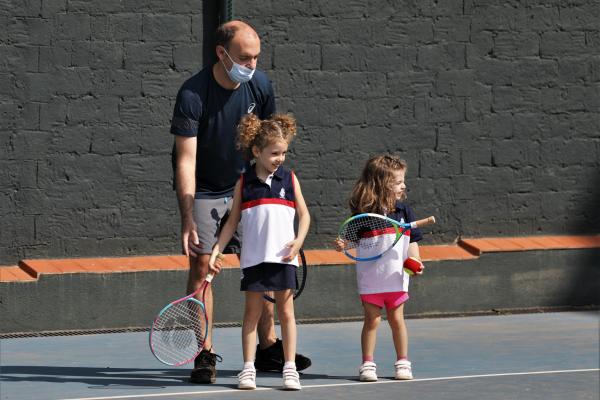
(196, 276)
(205, 363)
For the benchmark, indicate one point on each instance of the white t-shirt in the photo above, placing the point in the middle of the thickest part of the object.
(385, 274)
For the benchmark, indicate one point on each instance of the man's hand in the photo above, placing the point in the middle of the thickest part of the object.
(190, 244)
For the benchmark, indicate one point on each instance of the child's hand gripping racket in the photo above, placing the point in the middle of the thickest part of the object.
(179, 330)
(366, 237)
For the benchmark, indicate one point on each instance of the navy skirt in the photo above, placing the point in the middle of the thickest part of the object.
(268, 276)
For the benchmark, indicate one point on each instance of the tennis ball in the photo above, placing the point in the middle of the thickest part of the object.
(412, 266)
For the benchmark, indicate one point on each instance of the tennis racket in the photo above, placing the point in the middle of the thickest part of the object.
(300, 278)
(179, 330)
(368, 236)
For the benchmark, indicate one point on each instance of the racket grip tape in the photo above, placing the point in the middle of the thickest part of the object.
(423, 222)
(412, 266)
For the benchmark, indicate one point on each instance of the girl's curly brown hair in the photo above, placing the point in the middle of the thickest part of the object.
(252, 131)
(373, 190)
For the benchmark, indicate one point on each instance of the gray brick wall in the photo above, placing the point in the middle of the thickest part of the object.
(86, 94)
(495, 105)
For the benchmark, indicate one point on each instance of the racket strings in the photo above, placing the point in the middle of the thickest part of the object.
(179, 332)
(365, 233)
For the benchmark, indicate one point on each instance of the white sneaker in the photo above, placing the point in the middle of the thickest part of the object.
(247, 379)
(403, 370)
(368, 372)
(291, 379)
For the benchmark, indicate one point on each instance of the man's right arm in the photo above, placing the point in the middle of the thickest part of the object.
(185, 184)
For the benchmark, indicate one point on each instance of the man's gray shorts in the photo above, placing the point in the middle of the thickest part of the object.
(210, 216)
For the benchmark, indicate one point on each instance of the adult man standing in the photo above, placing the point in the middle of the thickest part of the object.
(207, 165)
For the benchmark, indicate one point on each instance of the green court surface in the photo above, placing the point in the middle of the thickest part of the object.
(524, 356)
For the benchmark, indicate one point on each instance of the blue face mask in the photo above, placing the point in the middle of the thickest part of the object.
(238, 73)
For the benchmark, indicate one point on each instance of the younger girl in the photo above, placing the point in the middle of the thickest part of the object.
(383, 282)
(266, 199)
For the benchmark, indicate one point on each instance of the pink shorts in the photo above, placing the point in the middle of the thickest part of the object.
(390, 299)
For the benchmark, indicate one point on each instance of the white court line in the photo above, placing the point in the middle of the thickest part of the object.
(445, 378)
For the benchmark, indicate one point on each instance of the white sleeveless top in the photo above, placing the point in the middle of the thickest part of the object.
(268, 211)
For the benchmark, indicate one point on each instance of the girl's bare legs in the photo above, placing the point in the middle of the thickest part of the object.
(399, 333)
(266, 325)
(252, 312)
(285, 310)
(368, 336)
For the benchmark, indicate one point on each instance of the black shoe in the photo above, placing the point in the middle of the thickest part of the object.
(271, 359)
(204, 367)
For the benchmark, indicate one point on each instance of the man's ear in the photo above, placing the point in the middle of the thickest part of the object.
(220, 51)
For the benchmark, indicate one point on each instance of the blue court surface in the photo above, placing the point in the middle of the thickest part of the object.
(524, 356)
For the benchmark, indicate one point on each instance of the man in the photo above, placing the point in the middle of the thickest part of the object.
(207, 165)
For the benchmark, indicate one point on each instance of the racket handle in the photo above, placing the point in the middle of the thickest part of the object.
(209, 277)
(423, 222)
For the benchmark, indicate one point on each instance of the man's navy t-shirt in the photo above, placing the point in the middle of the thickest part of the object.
(207, 110)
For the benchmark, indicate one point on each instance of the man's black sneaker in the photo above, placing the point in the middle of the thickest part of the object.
(204, 367)
(271, 359)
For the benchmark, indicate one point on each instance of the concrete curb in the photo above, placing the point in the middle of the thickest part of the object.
(511, 280)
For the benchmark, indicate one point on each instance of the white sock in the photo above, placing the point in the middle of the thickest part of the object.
(290, 365)
(249, 365)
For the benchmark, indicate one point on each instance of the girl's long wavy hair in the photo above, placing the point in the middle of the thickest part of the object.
(373, 191)
(252, 131)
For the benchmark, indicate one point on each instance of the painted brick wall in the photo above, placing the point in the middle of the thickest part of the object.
(495, 105)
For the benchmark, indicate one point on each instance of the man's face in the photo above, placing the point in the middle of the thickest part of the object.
(244, 49)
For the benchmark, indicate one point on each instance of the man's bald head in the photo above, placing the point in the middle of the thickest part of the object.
(234, 29)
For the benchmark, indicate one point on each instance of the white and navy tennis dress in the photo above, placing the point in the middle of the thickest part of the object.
(386, 274)
(267, 220)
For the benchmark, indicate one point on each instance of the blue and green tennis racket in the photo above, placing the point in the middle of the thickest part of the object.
(368, 236)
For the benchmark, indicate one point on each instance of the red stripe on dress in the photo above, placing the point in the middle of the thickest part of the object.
(385, 231)
(260, 202)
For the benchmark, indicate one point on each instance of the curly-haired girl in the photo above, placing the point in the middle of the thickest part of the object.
(266, 199)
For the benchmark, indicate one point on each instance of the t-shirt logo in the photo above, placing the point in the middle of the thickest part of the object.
(251, 107)
(282, 193)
